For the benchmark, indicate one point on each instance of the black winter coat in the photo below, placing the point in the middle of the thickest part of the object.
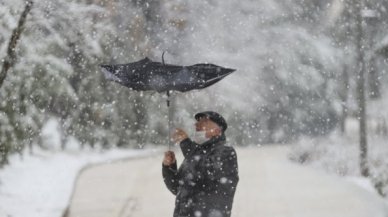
(206, 181)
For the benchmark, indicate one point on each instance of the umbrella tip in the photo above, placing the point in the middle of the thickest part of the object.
(104, 66)
(230, 70)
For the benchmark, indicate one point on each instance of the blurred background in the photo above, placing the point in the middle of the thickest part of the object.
(306, 70)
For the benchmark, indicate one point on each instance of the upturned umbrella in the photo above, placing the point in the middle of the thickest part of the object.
(148, 75)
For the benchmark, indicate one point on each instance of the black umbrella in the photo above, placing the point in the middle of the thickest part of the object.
(147, 75)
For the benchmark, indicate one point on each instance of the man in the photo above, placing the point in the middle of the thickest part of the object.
(206, 181)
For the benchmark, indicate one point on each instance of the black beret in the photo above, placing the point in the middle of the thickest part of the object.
(213, 116)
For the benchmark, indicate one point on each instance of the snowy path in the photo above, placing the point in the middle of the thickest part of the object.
(270, 186)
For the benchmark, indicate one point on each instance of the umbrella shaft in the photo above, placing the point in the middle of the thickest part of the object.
(168, 98)
(169, 120)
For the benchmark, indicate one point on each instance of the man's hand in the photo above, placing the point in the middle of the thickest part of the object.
(169, 158)
(179, 135)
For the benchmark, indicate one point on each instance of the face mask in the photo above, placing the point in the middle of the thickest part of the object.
(200, 137)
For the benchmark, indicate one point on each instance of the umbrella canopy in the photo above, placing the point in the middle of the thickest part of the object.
(146, 75)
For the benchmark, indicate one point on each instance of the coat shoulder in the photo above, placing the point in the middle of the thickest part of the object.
(225, 150)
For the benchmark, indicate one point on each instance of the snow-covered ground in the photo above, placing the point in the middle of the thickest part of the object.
(40, 185)
(270, 186)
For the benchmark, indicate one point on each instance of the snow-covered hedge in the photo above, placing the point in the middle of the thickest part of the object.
(340, 155)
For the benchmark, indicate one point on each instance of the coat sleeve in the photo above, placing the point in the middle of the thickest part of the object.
(170, 177)
(188, 147)
(222, 168)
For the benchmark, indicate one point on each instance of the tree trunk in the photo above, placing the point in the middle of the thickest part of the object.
(141, 119)
(4, 150)
(344, 97)
(361, 90)
(16, 33)
(9, 62)
(373, 81)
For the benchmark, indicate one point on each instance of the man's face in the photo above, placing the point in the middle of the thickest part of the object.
(207, 125)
